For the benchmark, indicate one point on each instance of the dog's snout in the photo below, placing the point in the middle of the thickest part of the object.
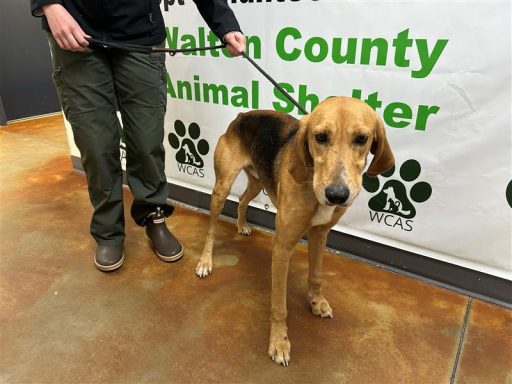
(337, 193)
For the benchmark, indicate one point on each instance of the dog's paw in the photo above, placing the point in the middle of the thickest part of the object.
(204, 268)
(244, 230)
(279, 351)
(321, 308)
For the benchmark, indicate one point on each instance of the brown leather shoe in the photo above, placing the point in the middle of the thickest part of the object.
(108, 257)
(166, 246)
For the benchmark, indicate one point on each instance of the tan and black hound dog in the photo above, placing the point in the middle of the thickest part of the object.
(312, 170)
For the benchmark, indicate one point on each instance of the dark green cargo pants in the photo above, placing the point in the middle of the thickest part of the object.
(91, 87)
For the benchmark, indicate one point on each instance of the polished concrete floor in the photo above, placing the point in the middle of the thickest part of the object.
(63, 321)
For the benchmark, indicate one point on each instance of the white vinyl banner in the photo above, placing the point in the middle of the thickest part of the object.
(437, 72)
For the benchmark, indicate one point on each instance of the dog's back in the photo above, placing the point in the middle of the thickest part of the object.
(264, 134)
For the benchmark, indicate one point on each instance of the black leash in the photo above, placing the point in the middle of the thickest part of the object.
(281, 89)
(173, 52)
(148, 49)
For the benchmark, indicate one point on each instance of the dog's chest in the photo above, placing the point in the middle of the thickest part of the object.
(322, 215)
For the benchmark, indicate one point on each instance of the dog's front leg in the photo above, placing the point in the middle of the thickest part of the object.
(317, 238)
(287, 236)
(279, 344)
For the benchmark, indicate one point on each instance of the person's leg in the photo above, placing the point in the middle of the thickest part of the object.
(141, 96)
(85, 86)
(140, 83)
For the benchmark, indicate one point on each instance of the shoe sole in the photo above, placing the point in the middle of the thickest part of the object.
(109, 268)
(167, 259)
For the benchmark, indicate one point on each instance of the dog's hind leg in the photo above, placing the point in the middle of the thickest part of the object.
(254, 186)
(226, 170)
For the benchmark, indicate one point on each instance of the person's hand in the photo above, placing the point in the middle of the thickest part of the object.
(235, 42)
(66, 31)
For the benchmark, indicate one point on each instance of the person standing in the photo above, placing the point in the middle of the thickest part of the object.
(93, 83)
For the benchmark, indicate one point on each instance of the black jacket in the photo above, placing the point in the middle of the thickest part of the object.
(135, 21)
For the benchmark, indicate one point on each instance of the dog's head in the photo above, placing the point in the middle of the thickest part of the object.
(331, 147)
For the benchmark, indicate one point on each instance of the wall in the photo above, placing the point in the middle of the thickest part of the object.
(26, 86)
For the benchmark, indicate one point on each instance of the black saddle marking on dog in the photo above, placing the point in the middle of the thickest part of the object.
(265, 134)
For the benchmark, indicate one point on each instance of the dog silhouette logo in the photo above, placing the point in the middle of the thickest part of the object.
(190, 149)
(393, 204)
(394, 197)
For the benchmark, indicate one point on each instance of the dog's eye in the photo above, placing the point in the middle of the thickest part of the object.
(361, 139)
(321, 138)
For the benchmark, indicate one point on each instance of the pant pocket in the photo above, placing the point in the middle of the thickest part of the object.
(60, 86)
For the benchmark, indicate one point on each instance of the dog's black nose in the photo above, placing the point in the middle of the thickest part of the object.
(336, 193)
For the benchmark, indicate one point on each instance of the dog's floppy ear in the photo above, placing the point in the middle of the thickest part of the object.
(383, 158)
(300, 159)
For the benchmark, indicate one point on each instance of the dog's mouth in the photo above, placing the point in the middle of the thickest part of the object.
(343, 205)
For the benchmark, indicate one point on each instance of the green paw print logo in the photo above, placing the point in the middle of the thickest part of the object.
(393, 197)
(189, 149)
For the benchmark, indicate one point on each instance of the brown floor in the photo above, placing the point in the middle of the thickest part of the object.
(63, 321)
